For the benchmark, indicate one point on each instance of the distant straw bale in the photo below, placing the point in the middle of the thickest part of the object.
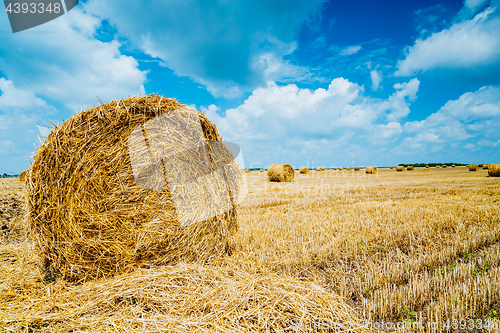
(473, 167)
(356, 168)
(97, 195)
(444, 166)
(248, 170)
(410, 168)
(318, 169)
(438, 166)
(341, 168)
(480, 165)
(391, 167)
(349, 168)
(494, 170)
(323, 169)
(262, 170)
(400, 168)
(335, 168)
(281, 173)
(371, 170)
(22, 176)
(304, 170)
(427, 166)
(453, 166)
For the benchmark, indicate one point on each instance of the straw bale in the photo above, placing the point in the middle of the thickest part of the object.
(262, 170)
(371, 170)
(318, 169)
(304, 170)
(335, 168)
(453, 166)
(391, 167)
(400, 168)
(444, 166)
(485, 167)
(22, 176)
(427, 166)
(356, 168)
(92, 216)
(248, 171)
(494, 170)
(281, 173)
(410, 168)
(323, 169)
(438, 166)
(341, 168)
(480, 165)
(473, 167)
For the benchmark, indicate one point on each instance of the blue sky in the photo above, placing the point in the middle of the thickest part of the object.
(311, 83)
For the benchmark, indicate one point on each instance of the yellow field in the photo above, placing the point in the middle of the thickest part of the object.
(413, 247)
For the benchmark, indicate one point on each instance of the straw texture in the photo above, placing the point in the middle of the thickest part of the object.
(281, 173)
(371, 170)
(494, 170)
(89, 219)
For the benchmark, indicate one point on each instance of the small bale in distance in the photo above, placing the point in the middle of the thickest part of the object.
(438, 166)
(480, 165)
(262, 170)
(323, 169)
(444, 166)
(391, 167)
(494, 170)
(427, 166)
(248, 170)
(371, 170)
(304, 170)
(410, 168)
(281, 173)
(22, 176)
(356, 168)
(485, 166)
(473, 167)
(400, 168)
(335, 168)
(341, 168)
(453, 166)
(318, 169)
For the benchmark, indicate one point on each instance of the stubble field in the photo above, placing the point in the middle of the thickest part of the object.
(395, 247)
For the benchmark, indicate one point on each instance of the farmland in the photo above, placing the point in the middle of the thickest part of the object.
(411, 246)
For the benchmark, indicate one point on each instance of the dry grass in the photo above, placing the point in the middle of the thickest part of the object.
(392, 247)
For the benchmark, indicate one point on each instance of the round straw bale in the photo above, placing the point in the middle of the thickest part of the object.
(473, 167)
(356, 168)
(427, 166)
(262, 170)
(444, 166)
(248, 170)
(341, 168)
(371, 170)
(391, 167)
(92, 216)
(323, 169)
(480, 165)
(494, 170)
(453, 166)
(438, 166)
(400, 168)
(281, 173)
(304, 170)
(22, 176)
(485, 166)
(410, 168)
(335, 168)
(318, 169)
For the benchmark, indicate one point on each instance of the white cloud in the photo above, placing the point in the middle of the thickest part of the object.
(319, 122)
(467, 45)
(469, 146)
(350, 50)
(70, 66)
(376, 79)
(226, 47)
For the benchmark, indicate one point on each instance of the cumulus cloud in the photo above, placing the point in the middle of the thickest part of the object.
(474, 115)
(306, 122)
(226, 47)
(472, 45)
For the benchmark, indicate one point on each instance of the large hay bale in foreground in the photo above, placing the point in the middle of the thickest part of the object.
(473, 167)
(22, 176)
(494, 170)
(410, 168)
(97, 196)
(400, 168)
(304, 170)
(281, 173)
(371, 170)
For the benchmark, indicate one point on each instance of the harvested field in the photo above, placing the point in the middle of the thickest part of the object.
(392, 247)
